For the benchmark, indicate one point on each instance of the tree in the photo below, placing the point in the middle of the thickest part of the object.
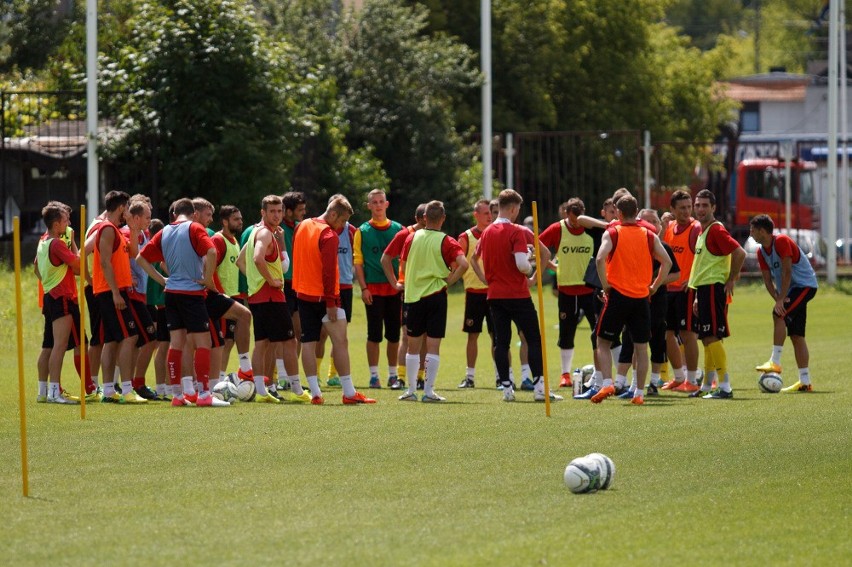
(30, 31)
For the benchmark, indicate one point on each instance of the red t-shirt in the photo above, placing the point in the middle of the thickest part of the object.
(497, 248)
(785, 246)
(394, 249)
(59, 254)
(450, 249)
(462, 238)
(198, 238)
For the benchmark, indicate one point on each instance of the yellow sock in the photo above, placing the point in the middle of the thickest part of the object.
(319, 365)
(709, 366)
(664, 372)
(400, 371)
(720, 359)
(332, 369)
(420, 374)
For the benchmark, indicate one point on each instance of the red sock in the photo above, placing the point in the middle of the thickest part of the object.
(202, 367)
(90, 386)
(138, 382)
(173, 364)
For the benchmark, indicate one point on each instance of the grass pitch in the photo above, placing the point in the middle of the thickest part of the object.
(760, 479)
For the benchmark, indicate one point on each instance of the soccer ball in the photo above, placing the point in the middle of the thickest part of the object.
(225, 391)
(606, 468)
(246, 391)
(770, 383)
(582, 476)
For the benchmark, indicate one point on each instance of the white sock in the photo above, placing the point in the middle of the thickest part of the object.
(511, 375)
(655, 378)
(599, 379)
(295, 385)
(539, 386)
(470, 372)
(161, 390)
(432, 363)
(279, 365)
(633, 384)
(692, 376)
(607, 382)
(412, 365)
(616, 352)
(526, 373)
(392, 372)
(54, 390)
(42, 388)
(260, 385)
(222, 375)
(637, 393)
(679, 375)
(245, 362)
(725, 384)
(776, 353)
(567, 359)
(95, 380)
(313, 384)
(188, 385)
(126, 387)
(348, 387)
(620, 381)
(116, 375)
(211, 383)
(374, 371)
(805, 375)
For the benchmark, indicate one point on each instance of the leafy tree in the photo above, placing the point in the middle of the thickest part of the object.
(30, 31)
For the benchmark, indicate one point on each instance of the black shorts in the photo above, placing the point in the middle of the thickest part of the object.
(272, 321)
(346, 302)
(310, 317)
(428, 315)
(622, 312)
(679, 316)
(475, 311)
(290, 298)
(217, 304)
(144, 323)
(185, 311)
(217, 332)
(386, 311)
(797, 310)
(571, 309)
(712, 320)
(56, 308)
(158, 314)
(118, 324)
(97, 335)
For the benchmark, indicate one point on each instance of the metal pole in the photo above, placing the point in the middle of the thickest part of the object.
(834, 16)
(485, 48)
(787, 150)
(647, 168)
(92, 186)
(844, 193)
(510, 161)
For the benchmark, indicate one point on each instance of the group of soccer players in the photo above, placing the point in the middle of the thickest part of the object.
(182, 295)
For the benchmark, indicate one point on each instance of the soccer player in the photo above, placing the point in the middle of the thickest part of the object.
(139, 217)
(346, 268)
(682, 235)
(717, 263)
(316, 280)
(505, 251)
(265, 260)
(111, 283)
(191, 259)
(382, 301)
(625, 269)
(155, 297)
(391, 254)
(433, 261)
(573, 247)
(475, 293)
(792, 283)
(56, 265)
(295, 209)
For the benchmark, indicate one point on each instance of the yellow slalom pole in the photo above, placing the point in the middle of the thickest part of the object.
(538, 270)
(81, 294)
(22, 396)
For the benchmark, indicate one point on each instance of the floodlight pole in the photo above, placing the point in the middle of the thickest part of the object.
(92, 177)
(833, 36)
(647, 166)
(787, 154)
(487, 138)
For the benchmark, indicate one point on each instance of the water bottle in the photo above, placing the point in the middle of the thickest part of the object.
(577, 381)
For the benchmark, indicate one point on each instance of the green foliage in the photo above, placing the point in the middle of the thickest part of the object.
(398, 87)
(30, 31)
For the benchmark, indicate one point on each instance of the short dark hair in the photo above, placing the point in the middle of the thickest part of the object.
(292, 199)
(575, 205)
(200, 203)
(762, 221)
(52, 213)
(679, 195)
(628, 206)
(509, 197)
(155, 226)
(420, 211)
(115, 199)
(434, 211)
(182, 206)
(707, 194)
(270, 200)
(225, 211)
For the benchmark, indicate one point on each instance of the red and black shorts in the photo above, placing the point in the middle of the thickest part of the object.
(158, 315)
(679, 314)
(475, 311)
(55, 308)
(97, 336)
(796, 305)
(186, 311)
(712, 319)
(144, 323)
(346, 302)
(620, 312)
(118, 324)
(290, 298)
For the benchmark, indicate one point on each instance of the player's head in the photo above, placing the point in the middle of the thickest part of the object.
(155, 226)
(295, 206)
(54, 212)
(482, 213)
(627, 207)
(608, 211)
(116, 204)
(761, 228)
(182, 207)
(681, 205)
(231, 218)
(377, 203)
(139, 212)
(650, 216)
(705, 206)
(510, 202)
(494, 205)
(338, 212)
(574, 207)
(272, 210)
(435, 213)
(619, 193)
(203, 210)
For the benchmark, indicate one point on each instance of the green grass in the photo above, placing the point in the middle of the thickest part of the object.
(762, 479)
